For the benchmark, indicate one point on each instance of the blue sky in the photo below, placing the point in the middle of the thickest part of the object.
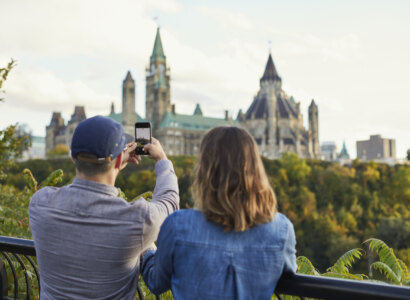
(352, 57)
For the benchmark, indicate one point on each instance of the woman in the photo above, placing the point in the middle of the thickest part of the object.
(234, 245)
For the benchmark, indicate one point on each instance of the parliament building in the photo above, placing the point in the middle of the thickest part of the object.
(273, 118)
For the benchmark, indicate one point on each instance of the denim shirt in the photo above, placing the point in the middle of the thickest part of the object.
(198, 260)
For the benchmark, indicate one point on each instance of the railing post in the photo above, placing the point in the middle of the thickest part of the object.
(3, 281)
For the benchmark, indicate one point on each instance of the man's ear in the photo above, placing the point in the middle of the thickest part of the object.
(118, 161)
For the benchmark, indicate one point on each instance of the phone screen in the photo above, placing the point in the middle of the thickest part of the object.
(142, 137)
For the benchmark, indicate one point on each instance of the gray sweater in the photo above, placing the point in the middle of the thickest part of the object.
(88, 240)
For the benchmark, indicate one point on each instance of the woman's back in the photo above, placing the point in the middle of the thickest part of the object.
(235, 245)
(209, 263)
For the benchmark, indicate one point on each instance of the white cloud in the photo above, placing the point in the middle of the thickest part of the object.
(41, 90)
(227, 18)
(78, 52)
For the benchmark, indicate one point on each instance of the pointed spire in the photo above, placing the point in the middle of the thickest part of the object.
(240, 116)
(128, 77)
(312, 105)
(343, 153)
(198, 110)
(270, 70)
(158, 51)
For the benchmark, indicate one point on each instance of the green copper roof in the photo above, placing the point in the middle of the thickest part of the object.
(344, 154)
(158, 51)
(198, 110)
(192, 122)
(117, 117)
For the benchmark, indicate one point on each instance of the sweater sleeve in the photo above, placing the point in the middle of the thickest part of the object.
(165, 200)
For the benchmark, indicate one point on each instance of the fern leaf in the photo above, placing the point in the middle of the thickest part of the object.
(31, 181)
(54, 178)
(121, 194)
(305, 266)
(345, 261)
(344, 275)
(406, 274)
(386, 256)
(387, 271)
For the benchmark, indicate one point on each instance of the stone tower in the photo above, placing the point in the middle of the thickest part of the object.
(76, 117)
(128, 115)
(53, 129)
(314, 130)
(157, 96)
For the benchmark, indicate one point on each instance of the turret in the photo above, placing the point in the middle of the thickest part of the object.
(198, 110)
(128, 116)
(314, 129)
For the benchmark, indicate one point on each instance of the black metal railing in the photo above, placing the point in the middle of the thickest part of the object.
(289, 284)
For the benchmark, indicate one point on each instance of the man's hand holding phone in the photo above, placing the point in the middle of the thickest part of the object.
(129, 155)
(155, 150)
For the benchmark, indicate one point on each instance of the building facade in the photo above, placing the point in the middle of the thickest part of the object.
(275, 121)
(376, 148)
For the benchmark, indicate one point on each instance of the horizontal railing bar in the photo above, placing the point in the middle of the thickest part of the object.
(333, 288)
(16, 245)
(290, 284)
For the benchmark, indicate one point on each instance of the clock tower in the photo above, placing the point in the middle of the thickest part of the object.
(157, 95)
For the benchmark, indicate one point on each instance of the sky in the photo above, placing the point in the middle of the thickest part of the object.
(351, 57)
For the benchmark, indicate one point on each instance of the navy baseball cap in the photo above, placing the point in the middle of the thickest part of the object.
(99, 136)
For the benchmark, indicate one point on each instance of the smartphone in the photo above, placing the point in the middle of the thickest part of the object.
(142, 136)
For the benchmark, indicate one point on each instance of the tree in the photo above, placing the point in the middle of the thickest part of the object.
(58, 151)
(408, 154)
(4, 72)
(11, 144)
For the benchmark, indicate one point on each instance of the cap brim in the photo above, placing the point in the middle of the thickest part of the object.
(129, 138)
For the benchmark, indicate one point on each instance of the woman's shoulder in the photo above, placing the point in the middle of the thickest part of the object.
(280, 225)
(279, 217)
(185, 216)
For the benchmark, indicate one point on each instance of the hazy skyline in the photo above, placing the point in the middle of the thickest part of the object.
(352, 57)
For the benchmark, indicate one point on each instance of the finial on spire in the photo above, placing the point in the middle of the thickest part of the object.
(270, 46)
(156, 19)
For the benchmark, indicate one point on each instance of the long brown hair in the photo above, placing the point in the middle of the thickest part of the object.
(231, 186)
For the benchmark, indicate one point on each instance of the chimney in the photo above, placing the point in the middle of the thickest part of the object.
(173, 109)
(112, 108)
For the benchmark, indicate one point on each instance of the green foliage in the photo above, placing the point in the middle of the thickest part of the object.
(11, 147)
(12, 143)
(4, 72)
(393, 268)
(345, 261)
(330, 206)
(305, 266)
(60, 150)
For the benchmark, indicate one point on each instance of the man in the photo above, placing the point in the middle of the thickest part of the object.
(88, 240)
